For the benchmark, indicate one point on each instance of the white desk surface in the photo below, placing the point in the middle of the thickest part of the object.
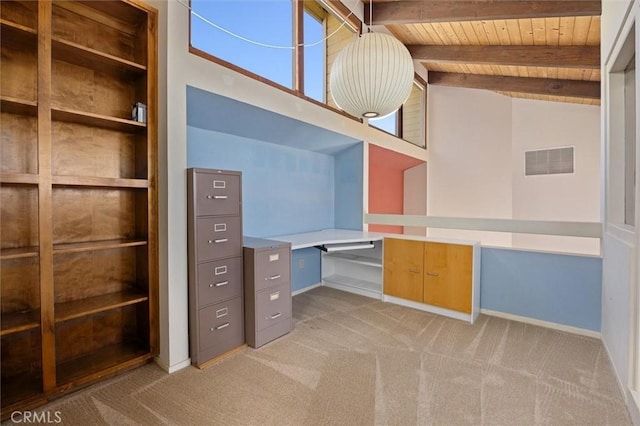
(328, 236)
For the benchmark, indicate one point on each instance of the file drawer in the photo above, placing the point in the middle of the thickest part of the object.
(221, 326)
(273, 305)
(218, 237)
(272, 267)
(217, 194)
(219, 280)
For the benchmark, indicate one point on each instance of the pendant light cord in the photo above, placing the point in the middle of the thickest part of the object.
(257, 43)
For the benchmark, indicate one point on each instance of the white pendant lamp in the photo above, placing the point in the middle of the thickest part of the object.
(372, 76)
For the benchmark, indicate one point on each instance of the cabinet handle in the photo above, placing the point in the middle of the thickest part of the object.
(433, 274)
(217, 197)
(278, 315)
(219, 284)
(221, 240)
(220, 327)
(274, 277)
(414, 271)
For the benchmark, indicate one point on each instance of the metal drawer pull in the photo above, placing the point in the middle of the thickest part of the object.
(433, 274)
(219, 227)
(217, 197)
(221, 240)
(220, 327)
(278, 315)
(274, 277)
(223, 283)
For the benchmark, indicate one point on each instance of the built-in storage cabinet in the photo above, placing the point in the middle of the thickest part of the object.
(78, 194)
(267, 272)
(440, 276)
(216, 313)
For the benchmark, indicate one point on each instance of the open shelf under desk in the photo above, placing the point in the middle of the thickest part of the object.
(354, 258)
(353, 285)
(65, 311)
(101, 361)
(16, 322)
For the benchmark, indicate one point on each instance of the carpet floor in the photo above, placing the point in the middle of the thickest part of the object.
(351, 360)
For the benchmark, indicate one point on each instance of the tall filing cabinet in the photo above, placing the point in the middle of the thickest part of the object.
(267, 290)
(216, 317)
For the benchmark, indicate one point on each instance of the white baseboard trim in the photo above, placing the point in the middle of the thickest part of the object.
(541, 323)
(633, 405)
(427, 308)
(172, 368)
(302, 290)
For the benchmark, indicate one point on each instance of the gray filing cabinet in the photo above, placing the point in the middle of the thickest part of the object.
(216, 315)
(267, 290)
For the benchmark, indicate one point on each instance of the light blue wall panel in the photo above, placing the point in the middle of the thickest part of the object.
(285, 190)
(309, 274)
(349, 164)
(558, 288)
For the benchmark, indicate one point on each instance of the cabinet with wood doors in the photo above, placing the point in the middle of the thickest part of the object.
(437, 276)
(77, 195)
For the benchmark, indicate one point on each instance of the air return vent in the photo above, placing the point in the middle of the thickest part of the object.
(548, 161)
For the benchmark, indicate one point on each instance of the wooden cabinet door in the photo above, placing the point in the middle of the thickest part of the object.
(448, 275)
(403, 268)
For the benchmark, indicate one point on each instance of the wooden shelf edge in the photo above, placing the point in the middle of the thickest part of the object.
(19, 253)
(66, 311)
(9, 25)
(98, 120)
(85, 56)
(97, 181)
(19, 178)
(18, 106)
(17, 322)
(97, 245)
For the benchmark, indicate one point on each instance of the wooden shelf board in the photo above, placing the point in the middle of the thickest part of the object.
(109, 357)
(92, 305)
(18, 253)
(18, 106)
(96, 181)
(90, 58)
(97, 120)
(19, 178)
(16, 322)
(97, 245)
(13, 33)
(20, 387)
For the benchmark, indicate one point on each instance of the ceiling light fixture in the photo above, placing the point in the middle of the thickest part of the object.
(372, 76)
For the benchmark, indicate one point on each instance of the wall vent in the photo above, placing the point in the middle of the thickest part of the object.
(548, 161)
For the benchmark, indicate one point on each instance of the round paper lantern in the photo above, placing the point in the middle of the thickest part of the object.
(372, 76)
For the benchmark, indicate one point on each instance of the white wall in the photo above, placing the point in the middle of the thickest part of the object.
(566, 197)
(178, 69)
(469, 172)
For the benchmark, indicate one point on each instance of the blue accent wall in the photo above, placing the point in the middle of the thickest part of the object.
(308, 275)
(559, 288)
(349, 165)
(285, 190)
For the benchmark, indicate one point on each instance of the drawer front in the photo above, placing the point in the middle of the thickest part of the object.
(220, 280)
(217, 194)
(273, 268)
(272, 306)
(221, 326)
(218, 237)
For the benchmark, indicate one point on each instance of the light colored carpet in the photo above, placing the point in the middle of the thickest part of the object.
(352, 360)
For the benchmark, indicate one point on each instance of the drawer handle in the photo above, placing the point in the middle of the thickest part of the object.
(223, 283)
(274, 277)
(220, 327)
(433, 274)
(218, 241)
(217, 197)
(414, 271)
(274, 316)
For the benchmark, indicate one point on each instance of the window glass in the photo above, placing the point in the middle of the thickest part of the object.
(389, 123)
(314, 56)
(413, 117)
(265, 21)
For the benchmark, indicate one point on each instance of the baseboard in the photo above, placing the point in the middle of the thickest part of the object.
(172, 368)
(302, 290)
(633, 403)
(428, 308)
(541, 323)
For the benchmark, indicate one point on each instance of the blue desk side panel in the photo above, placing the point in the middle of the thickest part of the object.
(349, 185)
(558, 288)
(284, 190)
(310, 272)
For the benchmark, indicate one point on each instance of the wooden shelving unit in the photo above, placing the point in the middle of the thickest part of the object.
(78, 201)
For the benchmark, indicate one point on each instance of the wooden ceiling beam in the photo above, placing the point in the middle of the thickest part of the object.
(425, 11)
(586, 57)
(538, 86)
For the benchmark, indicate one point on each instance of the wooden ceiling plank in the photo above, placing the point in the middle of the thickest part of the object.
(581, 31)
(539, 31)
(541, 86)
(470, 33)
(546, 56)
(413, 11)
(513, 28)
(526, 31)
(566, 30)
(593, 36)
(553, 31)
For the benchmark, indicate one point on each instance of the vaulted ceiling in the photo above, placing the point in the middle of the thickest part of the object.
(545, 49)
